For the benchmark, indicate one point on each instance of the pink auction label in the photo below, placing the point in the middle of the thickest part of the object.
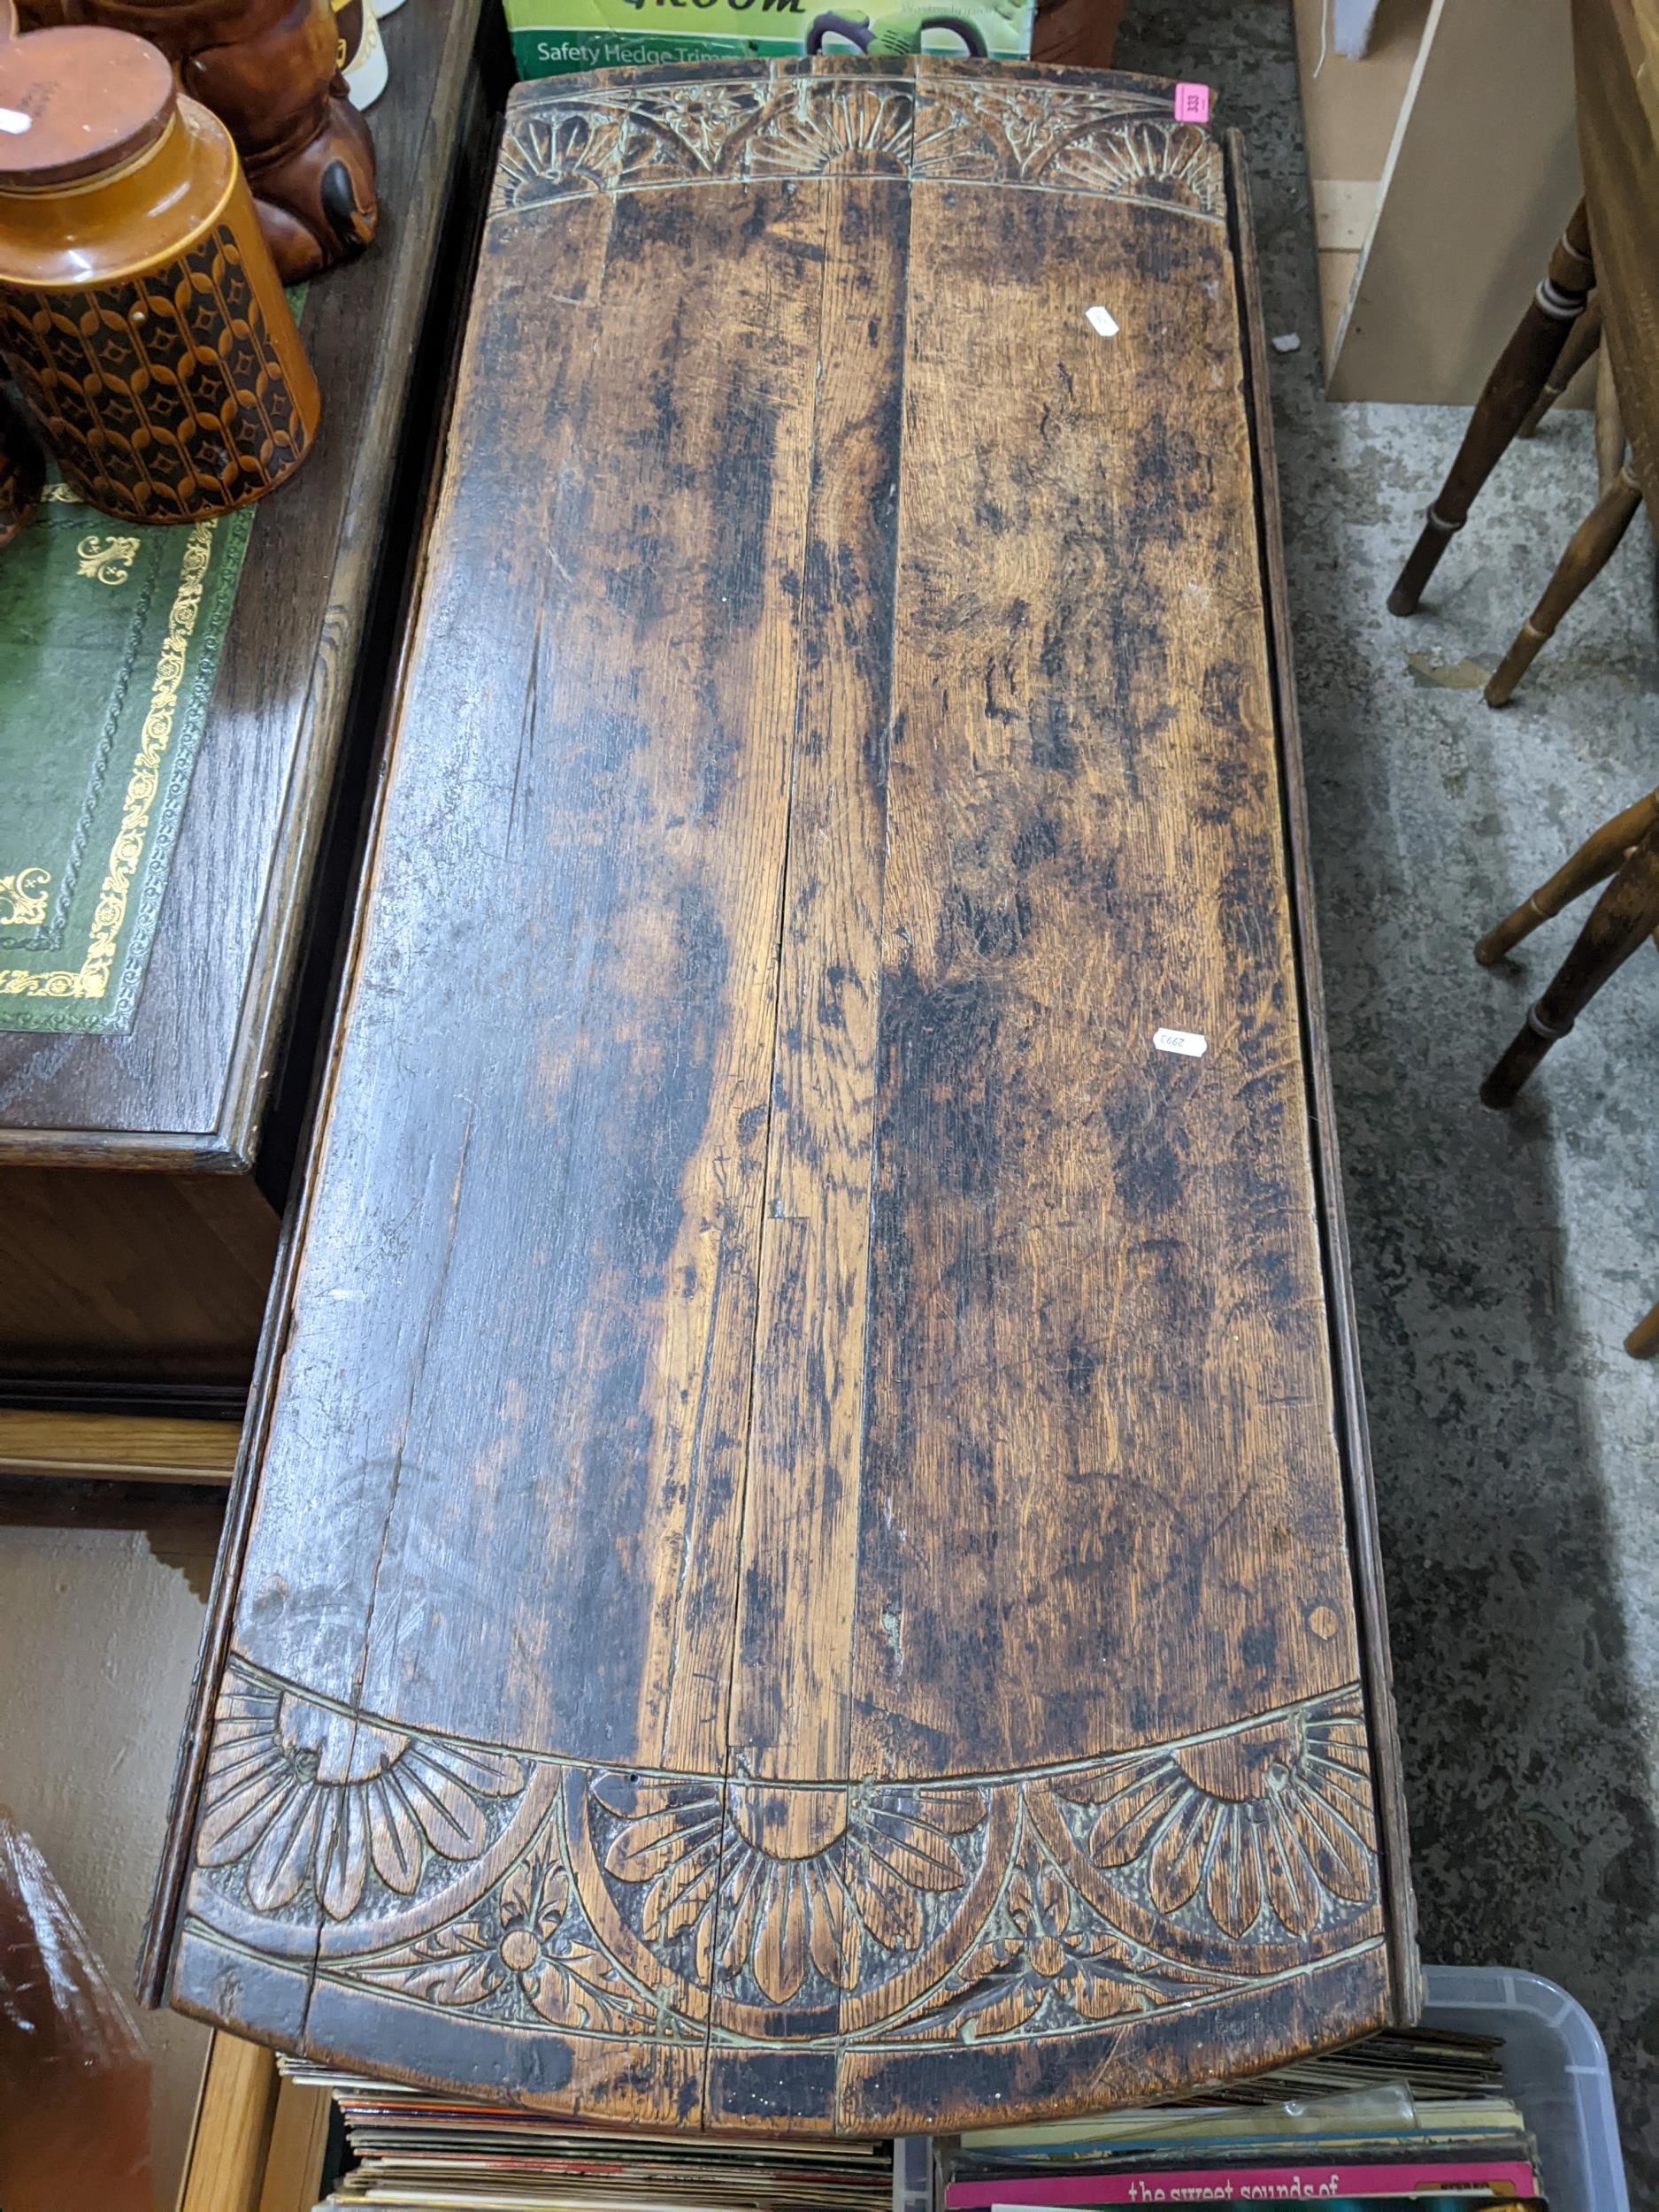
(1192, 104)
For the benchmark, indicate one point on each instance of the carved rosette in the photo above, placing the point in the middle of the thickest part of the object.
(539, 1893)
(323, 1828)
(1258, 1833)
(1108, 141)
(800, 1911)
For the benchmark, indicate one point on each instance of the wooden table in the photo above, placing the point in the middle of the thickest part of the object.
(806, 1556)
(141, 1176)
(1615, 58)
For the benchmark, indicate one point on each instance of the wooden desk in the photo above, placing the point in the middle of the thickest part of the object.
(1616, 55)
(141, 1175)
(806, 1557)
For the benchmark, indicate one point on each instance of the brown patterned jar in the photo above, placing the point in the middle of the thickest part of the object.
(22, 472)
(141, 312)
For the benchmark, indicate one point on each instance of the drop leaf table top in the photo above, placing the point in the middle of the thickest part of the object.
(805, 1556)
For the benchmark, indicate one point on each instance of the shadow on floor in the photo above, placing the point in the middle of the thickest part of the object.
(1499, 1259)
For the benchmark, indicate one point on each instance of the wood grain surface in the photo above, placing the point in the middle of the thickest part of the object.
(794, 1560)
(231, 2135)
(131, 1276)
(116, 1447)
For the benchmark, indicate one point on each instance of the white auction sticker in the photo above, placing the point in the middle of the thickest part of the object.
(1183, 1041)
(1101, 319)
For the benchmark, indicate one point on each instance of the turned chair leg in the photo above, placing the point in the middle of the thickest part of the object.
(1504, 403)
(1593, 861)
(1643, 1340)
(1609, 426)
(1582, 341)
(1589, 549)
(1626, 912)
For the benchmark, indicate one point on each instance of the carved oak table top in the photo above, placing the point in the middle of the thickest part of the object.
(805, 1556)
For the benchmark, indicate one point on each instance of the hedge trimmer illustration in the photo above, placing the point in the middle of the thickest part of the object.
(901, 33)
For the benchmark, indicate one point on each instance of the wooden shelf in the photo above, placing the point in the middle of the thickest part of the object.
(117, 1447)
(259, 2141)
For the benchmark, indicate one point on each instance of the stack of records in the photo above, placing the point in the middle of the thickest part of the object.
(1410, 2115)
(417, 2148)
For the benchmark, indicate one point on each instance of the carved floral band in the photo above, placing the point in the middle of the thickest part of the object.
(1110, 142)
(534, 1891)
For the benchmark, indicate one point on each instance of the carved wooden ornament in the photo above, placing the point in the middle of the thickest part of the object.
(805, 1553)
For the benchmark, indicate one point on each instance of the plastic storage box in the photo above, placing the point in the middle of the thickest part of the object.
(1554, 2064)
(1556, 2071)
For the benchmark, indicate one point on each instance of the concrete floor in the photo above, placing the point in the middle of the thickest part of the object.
(1500, 1259)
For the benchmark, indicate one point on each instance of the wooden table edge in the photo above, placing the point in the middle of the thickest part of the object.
(1354, 1438)
(161, 1926)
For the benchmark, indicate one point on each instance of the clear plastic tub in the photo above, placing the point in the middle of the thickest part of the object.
(1554, 2063)
(1556, 2071)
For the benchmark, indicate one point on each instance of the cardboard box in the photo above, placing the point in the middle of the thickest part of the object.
(551, 38)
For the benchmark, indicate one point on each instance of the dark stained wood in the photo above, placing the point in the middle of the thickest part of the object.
(133, 1276)
(1593, 861)
(1078, 33)
(804, 1552)
(1625, 915)
(1353, 1431)
(1584, 341)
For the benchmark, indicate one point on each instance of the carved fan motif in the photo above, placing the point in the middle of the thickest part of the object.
(1170, 162)
(830, 129)
(664, 1908)
(805, 1877)
(1274, 1820)
(306, 1793)
(1113, 142)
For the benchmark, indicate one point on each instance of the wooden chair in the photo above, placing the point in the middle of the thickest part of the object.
(1625, 849)
(1560, 331)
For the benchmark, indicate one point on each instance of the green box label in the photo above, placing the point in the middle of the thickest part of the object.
(553, 37)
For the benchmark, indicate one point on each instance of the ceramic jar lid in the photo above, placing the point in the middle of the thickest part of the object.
(77, 102)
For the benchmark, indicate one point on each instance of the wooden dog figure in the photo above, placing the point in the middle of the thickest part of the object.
(269, 70)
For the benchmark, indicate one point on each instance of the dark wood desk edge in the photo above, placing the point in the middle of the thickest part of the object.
(1354, 1435)
(155, 1962)
(230, 1145)
(282, 916)
(169, 1151)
